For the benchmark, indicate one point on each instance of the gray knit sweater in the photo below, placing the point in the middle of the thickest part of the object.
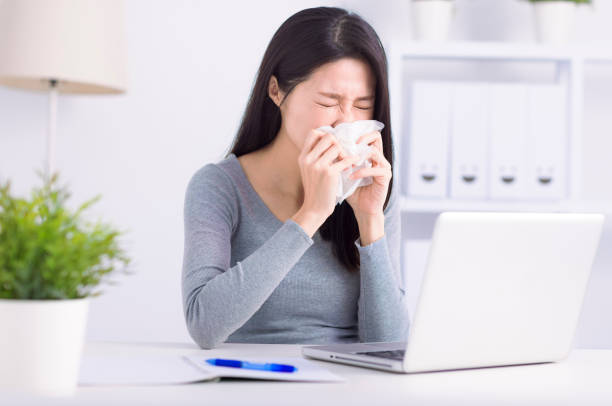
(248, 277)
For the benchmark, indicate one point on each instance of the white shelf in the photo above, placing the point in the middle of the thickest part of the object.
(502, 51)
(416, 205)
(570, 60)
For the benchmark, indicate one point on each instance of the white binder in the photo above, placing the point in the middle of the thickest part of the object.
(428, 126)
(507, 140)
(468, 141)
(547, 123)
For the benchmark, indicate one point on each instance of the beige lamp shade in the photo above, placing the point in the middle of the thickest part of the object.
(79, 43)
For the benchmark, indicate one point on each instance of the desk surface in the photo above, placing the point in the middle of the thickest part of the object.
(585, 378)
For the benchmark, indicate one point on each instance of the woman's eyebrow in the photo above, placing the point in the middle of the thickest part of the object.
(338, 96)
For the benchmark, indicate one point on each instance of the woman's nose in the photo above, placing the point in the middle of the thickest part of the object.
(345, 115)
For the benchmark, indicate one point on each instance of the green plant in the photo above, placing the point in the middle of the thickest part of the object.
(48, 251)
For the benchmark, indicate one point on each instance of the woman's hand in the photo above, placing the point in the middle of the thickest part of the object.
(368, 201)
(321, 161)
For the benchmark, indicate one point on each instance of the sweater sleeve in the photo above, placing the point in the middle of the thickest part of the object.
(217, 299)
(383, 313)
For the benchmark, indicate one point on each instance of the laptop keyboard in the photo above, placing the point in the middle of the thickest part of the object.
(395, 354)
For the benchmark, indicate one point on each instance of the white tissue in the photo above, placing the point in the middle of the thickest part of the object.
(348, 134)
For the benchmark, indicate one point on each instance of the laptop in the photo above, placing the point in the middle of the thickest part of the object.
(498, 289)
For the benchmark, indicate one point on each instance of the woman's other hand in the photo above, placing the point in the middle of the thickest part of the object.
(368, 201)
(321, 162)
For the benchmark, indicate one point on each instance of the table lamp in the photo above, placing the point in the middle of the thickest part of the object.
(62, 46)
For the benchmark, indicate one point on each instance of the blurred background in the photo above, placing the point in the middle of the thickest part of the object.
(190, 67)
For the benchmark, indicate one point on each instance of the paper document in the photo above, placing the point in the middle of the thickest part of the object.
(181, 369)
(306, 370)
(139, 370)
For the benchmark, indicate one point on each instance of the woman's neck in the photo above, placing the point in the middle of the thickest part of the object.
(279, 161)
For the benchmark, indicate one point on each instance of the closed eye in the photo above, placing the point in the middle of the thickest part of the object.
(325, 105)
(335, 105)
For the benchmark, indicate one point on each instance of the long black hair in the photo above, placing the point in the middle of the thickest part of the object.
(304, 42)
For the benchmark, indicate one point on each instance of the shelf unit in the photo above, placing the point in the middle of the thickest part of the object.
(414, 205)
(569, 61)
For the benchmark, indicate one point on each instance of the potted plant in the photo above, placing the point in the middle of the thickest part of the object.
(555, 19)
(431, 19)
(51, 261)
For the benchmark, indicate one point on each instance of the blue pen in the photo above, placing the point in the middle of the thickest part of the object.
(251, 365)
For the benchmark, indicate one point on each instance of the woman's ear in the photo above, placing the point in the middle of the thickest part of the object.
(274, 91)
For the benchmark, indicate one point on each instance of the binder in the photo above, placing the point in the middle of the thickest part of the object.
(468, 141)
(428, 132)
(507, 141)
(547, 124)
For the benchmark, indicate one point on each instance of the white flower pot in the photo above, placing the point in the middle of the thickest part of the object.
(431, 19)
(41, 345)
(554, 21)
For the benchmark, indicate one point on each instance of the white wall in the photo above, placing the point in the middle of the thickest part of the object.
(191, 66)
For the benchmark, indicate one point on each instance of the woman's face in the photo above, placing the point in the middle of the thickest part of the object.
(336, 92)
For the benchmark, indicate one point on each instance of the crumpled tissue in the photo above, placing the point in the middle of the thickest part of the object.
(348, 134)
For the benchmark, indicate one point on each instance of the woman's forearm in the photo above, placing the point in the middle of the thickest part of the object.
(371, 228)
(383, 314)
(218, 302)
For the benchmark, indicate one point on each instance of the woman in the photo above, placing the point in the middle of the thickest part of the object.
(269, 256)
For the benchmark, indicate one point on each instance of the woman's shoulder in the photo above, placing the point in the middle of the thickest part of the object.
(211, 200)
(216, 180)
(211, 191)
(220, 174)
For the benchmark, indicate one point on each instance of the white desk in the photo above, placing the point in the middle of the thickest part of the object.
(585, 378)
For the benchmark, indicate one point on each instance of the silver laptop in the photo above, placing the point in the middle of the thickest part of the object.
(498, 289)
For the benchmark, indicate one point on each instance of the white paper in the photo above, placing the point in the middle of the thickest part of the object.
(306, 370)
(181, 369)
(139, 370)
